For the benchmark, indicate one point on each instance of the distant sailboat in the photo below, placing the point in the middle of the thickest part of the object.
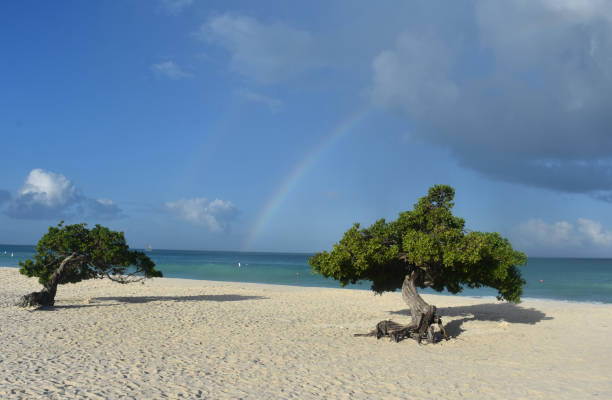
(11, 254)
(149, 248)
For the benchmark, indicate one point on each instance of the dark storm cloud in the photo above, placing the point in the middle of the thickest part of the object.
(533, 108)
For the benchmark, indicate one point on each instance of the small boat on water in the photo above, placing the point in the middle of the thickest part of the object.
(149, 248)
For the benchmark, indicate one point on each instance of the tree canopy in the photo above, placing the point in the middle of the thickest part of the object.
(72, 253)
(430, 244)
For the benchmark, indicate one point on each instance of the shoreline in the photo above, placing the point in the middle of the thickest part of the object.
(175, 337)
(491, 297)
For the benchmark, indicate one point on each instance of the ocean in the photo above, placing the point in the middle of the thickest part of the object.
(571, 279)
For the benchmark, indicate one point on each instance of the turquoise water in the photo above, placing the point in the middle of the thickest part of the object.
(570, 279)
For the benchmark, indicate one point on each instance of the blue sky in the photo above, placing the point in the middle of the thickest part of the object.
(273, 126)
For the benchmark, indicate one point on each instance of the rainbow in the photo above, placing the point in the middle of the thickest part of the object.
(298, 172)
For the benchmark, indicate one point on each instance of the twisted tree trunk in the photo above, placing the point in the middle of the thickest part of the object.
(46, 297)
(422, 314)
(411, 297)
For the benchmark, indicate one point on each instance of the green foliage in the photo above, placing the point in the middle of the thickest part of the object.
(430, 243)
(100, 253)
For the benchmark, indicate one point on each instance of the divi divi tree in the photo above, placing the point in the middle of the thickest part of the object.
(425, 247)
(72, 253)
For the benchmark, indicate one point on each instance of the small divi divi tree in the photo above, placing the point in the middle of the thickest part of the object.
(425, 247)
(72, 253)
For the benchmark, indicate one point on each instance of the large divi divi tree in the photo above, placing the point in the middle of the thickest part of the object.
(72, 253)
(425, 247)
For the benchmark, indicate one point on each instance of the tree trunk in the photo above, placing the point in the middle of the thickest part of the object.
(46, 297)
(411, 296)
(422, 314)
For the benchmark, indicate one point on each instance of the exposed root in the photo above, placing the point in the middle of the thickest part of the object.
(397, 332)
(37, 299)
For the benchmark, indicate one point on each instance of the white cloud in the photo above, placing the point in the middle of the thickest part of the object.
(273, 104)
(170, 69)
(216, 215)
(105, 202)
(174, 7)
(49, 195)
(555, 234)
(581, 9)
(267, 53)
(48, 188)
(594, 232)
(563, 235)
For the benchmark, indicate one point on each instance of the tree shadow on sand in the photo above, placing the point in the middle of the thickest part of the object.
(103, 301)
(496, 312)
(203, 297)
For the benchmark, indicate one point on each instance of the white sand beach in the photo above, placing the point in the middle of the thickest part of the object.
(174, 338)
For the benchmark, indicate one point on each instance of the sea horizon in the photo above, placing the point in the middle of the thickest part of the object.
(291, 252)
(574, 279)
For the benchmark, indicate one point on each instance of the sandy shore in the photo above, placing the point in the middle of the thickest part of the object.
(173, 338)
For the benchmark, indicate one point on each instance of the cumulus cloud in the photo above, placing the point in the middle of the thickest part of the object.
(555, 234)
(44, 195)
(169, 69)
(594, 232)
(48, 195)
(273, 104)
(174, 7)
(215, 215)
(522, 94)
(265, 52)
(563, 235)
